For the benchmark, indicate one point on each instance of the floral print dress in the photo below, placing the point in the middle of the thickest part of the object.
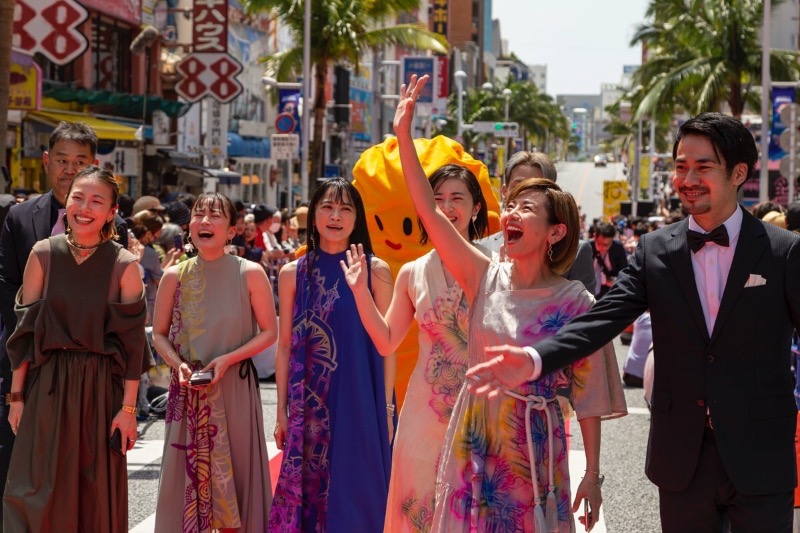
(484, 482)
(442, 315)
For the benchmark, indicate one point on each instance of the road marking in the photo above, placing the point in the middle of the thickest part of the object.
(638, 411)
(143, 453)
(577, 465)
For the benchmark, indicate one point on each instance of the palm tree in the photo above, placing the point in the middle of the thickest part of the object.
(539, 117)
(6, 30)
(341, 31)
(703, 53)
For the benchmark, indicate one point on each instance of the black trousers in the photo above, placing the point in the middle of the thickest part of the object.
(711, 504)
(6, 435)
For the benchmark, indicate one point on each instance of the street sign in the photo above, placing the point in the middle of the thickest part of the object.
(284, 145)
(483, 126)
(421, 66)
(285, 123)
(786, 111)
(786, 170)
(50, 28)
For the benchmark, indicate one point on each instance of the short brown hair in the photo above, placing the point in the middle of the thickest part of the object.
(109, 230)
(561, 209)
(533, 160)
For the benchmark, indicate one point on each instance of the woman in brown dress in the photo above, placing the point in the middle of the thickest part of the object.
(77, 354)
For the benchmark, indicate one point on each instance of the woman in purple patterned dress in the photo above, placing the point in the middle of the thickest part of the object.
(214, 312)
(333, 385)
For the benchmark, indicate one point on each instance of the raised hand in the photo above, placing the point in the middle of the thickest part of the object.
(404, 116)
(355, 271)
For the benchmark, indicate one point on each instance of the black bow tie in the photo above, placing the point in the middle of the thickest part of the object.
(697, 240)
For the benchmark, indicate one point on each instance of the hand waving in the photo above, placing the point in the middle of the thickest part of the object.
(404, 116)
(355, 271)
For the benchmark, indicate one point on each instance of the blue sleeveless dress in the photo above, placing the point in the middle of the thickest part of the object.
(335, 471)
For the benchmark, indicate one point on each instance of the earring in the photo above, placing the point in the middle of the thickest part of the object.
(550, 251)
(313, 241)
(228, 242)
(189, 246)
(475, 229)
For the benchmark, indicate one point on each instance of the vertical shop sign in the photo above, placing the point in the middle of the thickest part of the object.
(209, 70)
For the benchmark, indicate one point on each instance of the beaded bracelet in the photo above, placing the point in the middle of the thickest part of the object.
(390, 409)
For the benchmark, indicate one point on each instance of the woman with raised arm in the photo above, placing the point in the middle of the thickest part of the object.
(335, 391)
(427, 292)
(214, 312)
(505, 459)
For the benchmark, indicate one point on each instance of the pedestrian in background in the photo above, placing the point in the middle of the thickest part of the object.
(214, 312)
(78, 350)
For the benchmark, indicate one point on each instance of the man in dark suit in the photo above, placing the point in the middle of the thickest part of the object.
(723, 290)
(609, 257)
(524, 165)
(72, 146)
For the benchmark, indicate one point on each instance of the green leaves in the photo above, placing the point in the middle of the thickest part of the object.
(703, 54)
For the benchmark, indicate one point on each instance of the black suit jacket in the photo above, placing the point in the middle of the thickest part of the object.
(26, 224)
(740, 372)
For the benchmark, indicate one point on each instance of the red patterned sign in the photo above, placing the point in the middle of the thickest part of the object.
(51, 28)
(209, 70)
(208, 75)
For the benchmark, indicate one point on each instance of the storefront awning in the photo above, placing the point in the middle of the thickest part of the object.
(104, 129)
(114, 103)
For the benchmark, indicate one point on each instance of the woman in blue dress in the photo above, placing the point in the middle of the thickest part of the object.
(335, 404)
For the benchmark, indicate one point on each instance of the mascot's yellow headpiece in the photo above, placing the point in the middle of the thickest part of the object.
(392, 220)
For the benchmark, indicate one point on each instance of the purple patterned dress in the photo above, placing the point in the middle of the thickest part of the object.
(335, 471)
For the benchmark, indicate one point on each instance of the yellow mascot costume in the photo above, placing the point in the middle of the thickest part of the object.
(392, 220)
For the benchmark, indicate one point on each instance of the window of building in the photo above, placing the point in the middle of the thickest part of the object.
(111, 57)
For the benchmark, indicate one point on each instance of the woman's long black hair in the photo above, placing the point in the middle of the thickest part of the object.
(342, 190)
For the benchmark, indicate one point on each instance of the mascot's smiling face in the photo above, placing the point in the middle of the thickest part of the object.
(391, 217)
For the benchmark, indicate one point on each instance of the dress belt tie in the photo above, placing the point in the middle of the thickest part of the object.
(543, 522)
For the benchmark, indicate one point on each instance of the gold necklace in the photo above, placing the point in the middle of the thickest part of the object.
(81, 252)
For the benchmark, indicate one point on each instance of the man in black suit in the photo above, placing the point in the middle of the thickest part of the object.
(72, 146)
(524, 165)
(723, 290)
(609, 257)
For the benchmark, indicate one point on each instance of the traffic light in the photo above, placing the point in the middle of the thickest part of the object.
(506, 129)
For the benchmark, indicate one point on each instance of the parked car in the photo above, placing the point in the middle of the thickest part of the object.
(600, 160)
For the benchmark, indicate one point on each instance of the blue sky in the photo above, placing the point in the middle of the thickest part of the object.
(583, 42)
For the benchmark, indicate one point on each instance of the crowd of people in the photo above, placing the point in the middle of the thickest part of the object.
(515, 333)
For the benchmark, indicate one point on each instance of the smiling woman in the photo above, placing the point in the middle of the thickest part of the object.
(331, 378)
(213, 313)
(77, 353)
(502, 453)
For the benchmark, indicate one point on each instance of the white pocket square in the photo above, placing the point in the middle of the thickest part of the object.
(755, 280)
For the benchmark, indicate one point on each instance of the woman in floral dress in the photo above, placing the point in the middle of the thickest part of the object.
(427, 292)
(504, 462)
